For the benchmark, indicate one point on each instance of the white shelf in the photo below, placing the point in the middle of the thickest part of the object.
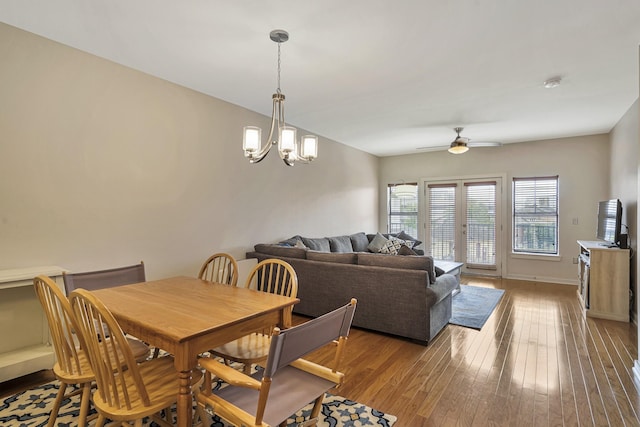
(17, 363)
(24, 332)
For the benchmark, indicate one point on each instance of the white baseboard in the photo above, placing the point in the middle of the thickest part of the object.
(636, 373)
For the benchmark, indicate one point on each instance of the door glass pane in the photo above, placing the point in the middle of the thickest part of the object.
(442, 222)
(481, 224)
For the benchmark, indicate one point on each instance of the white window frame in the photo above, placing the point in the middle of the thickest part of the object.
(534, 209)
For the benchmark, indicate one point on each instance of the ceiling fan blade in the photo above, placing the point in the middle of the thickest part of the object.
(484, 144)
(436, 148)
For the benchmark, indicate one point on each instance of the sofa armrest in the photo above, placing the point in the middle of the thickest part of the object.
(442, 287)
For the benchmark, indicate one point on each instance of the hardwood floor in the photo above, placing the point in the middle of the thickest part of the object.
(536, 362)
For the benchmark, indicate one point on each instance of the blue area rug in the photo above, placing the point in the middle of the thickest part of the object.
(31, 408)
(472, 306)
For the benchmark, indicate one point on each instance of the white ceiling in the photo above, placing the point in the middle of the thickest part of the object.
(386, 76)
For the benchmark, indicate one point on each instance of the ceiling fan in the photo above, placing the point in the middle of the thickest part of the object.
(461, 144)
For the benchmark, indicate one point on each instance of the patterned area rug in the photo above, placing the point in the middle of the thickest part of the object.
(472, 306)
(32, 408)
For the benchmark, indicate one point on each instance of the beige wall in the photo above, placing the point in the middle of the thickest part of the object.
(625, 138)
(101, 165)
(582, 164)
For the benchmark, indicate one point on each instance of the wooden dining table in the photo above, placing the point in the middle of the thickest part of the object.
(186, 316)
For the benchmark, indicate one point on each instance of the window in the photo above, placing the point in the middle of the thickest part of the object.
(535, 215)
(403, 208)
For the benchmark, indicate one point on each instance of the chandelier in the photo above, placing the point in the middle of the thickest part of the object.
(280, 134)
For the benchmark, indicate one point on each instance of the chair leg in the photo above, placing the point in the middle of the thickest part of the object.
(84, 404)
(56, 405)
(247, 369)
(156, 352)
(101, 420)
(316, 409)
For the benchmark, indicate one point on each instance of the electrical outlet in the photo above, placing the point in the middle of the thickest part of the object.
(574, 221)
(575, 260)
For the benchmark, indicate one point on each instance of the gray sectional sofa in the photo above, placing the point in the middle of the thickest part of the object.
(397, 294)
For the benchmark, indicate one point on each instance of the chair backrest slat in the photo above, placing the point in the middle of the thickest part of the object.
(93, 280)
(220, 268)
(62, 325)
(273, 276)
(117, 375)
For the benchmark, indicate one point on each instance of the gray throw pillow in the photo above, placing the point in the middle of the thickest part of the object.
(317, 244)
(340, 244)
(377, 243)
(404, 236)
(359, 242)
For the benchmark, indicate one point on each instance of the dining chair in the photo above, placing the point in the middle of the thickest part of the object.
(100, 279)
(72, 365)
(288, 382)
(127, 391)
(220, 268)
(273, 276)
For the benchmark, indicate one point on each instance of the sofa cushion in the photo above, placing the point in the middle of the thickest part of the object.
(317, 244)
(417, 262)
(404, 236)
(340, 244)
(359, 242)
(283, 251)
(377, 243)
(338, 257)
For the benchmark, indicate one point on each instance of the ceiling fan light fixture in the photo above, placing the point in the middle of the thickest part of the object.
(458, 147)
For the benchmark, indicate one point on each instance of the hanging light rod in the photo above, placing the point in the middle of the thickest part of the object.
(280, 134)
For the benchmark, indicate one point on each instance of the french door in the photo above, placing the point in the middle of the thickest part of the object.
(464, 223)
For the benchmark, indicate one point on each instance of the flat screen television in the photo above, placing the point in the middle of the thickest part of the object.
(609, 221)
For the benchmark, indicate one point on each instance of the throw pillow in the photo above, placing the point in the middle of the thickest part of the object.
(392, 246)
(376, 244)
(340, 244)
(317, 244)
(359, 242)
(405, 250)
(404, 236)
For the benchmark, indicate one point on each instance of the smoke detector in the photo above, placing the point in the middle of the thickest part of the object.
(552, 82)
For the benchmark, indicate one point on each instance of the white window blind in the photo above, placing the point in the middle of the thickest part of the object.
(442, 220)
(481, 224)
(535, 215)
(402, 211)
